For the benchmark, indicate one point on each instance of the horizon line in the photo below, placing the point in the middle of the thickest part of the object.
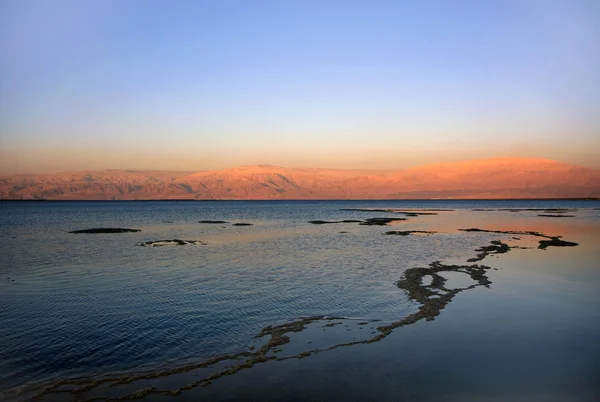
(305, 200)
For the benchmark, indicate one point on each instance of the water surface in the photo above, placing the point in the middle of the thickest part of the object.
(81, 305)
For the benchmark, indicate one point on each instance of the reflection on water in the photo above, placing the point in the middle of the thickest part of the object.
(80, 305)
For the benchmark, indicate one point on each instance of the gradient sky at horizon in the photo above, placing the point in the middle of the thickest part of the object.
(196, 85)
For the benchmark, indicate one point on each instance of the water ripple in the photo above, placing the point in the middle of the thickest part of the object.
(77, 305)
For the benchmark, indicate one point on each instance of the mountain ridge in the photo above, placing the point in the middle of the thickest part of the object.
(505, 177)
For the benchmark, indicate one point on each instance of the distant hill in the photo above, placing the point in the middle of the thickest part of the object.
(485, 178)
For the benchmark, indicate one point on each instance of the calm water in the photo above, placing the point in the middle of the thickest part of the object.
(88, 304)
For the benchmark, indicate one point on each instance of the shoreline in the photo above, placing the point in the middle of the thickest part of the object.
(303, 200)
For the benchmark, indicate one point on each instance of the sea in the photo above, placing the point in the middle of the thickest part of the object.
(101, 317)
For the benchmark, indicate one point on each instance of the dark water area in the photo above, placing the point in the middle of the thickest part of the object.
(91, 305)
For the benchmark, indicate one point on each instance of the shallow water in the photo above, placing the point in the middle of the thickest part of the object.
(89, 304)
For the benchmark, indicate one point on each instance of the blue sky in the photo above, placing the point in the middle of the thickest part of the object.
(365, 84)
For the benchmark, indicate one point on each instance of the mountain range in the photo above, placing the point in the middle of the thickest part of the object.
(478, 179)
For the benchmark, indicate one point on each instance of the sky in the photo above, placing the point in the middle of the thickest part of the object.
(193, 85)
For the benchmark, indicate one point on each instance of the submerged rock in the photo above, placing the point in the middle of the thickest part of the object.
(435, 296)
(173, 242)
(408, 232)
(497, 247)
(556, 242)
(320, 222)
(552, 240)
(366, 222)
(398, 211)
(515, 232)
(554, 210)
(380, 221)
(215, 222)
(106, 230)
